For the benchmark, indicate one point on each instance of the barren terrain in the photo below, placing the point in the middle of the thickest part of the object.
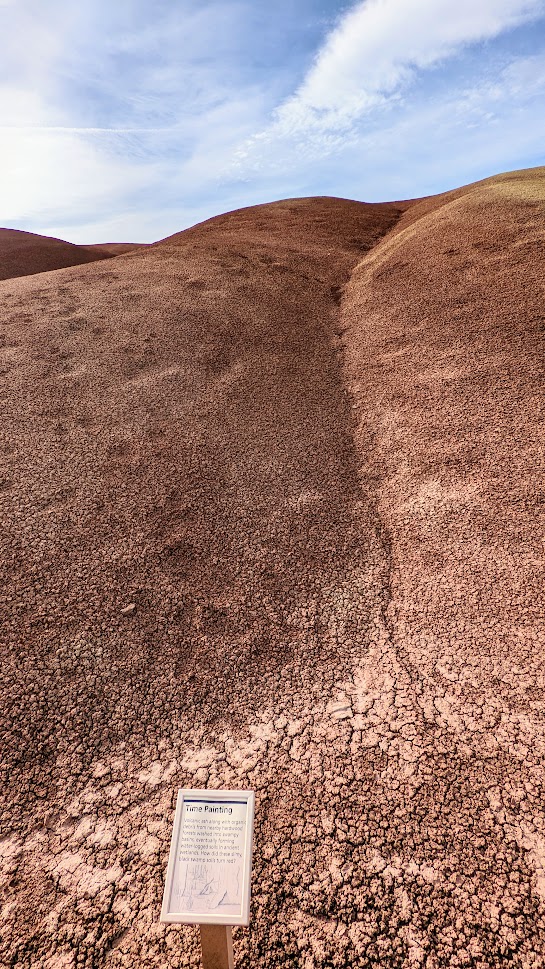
(306, 440)
(25, 253)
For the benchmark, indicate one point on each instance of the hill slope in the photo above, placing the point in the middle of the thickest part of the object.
(444, 336)
(256, 431)
(25, 253)
(115, 248)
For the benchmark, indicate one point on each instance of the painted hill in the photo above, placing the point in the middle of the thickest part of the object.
(306, 441)
(25, 253)
(115, 248)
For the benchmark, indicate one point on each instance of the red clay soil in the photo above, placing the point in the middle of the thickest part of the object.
(115, 248)
(24, 253)
(306, 441)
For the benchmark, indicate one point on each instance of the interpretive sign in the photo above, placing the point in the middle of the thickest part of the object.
(209, 867)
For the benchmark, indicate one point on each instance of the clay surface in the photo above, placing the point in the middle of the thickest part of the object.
(25, 253)
(271, 517)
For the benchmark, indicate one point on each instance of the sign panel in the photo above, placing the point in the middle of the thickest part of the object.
(210, 862)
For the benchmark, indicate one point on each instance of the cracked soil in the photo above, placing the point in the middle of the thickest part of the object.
(306, 440)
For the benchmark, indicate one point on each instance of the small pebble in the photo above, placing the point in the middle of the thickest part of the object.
(128, 610)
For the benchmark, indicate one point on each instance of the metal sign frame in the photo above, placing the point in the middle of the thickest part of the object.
(212, 798)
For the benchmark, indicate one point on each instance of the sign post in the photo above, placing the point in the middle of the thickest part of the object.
(208, 878)
(217, 947)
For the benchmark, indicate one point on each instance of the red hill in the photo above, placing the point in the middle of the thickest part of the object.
(24, 253)
(305, 440)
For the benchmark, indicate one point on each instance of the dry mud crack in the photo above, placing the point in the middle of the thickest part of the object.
(306, 484)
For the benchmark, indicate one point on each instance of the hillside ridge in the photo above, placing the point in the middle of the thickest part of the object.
(28, 253)
(271, 518)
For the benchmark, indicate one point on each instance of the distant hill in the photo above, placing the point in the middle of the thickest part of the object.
(115, 248)
(25, 253)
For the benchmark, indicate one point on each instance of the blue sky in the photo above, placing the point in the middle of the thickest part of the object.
(126, 120)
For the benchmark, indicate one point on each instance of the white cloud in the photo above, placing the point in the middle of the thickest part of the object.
(372, 54)
(132, 121)
(526, 76)
(47, 175)
(96, 119)
(467, 132)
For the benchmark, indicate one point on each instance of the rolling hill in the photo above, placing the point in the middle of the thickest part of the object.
(25, 253)
(271, 513)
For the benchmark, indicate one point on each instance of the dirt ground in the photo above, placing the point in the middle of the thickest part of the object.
(25, 253)
(306, 440)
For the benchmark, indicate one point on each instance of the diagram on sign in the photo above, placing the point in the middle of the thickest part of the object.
(211, 887)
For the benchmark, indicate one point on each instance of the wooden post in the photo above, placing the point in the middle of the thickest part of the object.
(216, 946)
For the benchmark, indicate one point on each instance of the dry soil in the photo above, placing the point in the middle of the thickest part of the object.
(306, 440)
(25, 253)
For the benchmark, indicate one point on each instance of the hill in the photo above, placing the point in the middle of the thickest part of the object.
(305, 441)
(25, 253)
(115, 248)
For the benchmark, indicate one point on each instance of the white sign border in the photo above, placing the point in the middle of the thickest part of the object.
(189, 918)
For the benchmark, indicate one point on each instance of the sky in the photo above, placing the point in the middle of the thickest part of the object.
(127, 121)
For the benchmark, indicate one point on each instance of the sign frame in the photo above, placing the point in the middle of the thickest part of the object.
(215, 797)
